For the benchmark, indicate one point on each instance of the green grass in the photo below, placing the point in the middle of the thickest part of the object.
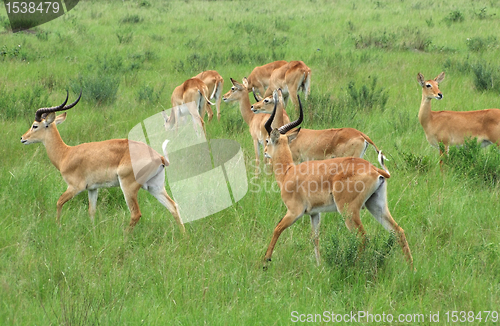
(364, 55)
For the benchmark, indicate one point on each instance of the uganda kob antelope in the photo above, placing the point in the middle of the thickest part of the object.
(104, 164)
(293, 77)
(215, 83)
(344, 185)
(312, 144)
(256, 122)
(258, 80)
(453, 127)
(192, 90)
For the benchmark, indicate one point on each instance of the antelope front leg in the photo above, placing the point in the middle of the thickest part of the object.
(67, 195)
(285, 222)
(92, 203)
(256, 147)
(315, 221)
(217, 106)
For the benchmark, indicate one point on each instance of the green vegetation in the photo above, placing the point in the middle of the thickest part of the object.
(128, 56)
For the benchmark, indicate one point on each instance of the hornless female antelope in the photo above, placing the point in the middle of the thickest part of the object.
(312, 144)
(344, 185)
(258, 80)
(255, 122)
(192, 90)
(291, 78)
(215, 83)
(91, 166)
(452, 127)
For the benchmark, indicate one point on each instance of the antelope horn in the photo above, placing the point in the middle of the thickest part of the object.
(45, 111)
(271, 118)
(286, 128)
(257, 98)
(67, 107)
(42, 113)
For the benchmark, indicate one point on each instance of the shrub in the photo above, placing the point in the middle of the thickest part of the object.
(481, 166)
(382, 40)
(480, 44)
(344, 257)
(419, 163)
(463, 67)
(23, 102)
(131, 19)
(97, 88)
(455, 16)
(323, 107)
(487, 77)
(148, 94)
(367, 97)
(124, 38)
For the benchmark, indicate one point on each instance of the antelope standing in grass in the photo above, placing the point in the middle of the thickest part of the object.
(258, 80)
(255, 122)
(215, 83)
(104, 164)
(453, 127)
(312, 144)
(192, 90)
(343, 185)
(291, 78)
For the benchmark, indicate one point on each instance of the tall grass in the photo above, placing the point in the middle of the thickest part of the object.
(129, 55)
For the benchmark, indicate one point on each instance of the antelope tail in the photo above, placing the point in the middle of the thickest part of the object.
(381, 159)
(205, 97)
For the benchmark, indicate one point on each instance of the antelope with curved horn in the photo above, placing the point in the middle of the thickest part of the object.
(104, 164)
(343, 185)
(255, 122)
(313, 144)
(452, 127)
(215, 83)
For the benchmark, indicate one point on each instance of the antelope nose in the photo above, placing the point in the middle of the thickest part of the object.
(439, 96)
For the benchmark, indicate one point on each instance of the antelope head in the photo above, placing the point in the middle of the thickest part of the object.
(279, 137)
(44, 119)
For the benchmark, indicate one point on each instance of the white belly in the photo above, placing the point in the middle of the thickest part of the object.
(323, 209)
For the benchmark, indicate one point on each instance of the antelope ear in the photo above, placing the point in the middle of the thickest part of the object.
(439, 78)
(292, 135)
(60, 118)
(245, 82)
(421, 79)
(275, 136)
(49, 118)
(164, 115)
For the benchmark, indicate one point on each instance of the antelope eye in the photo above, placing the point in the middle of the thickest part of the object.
(233, 88)
(428, 86)
(34, 126)
(266, 101)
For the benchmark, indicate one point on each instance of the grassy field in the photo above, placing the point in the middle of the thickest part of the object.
(365, 55)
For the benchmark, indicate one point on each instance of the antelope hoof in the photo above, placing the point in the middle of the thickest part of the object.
(266, 263)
